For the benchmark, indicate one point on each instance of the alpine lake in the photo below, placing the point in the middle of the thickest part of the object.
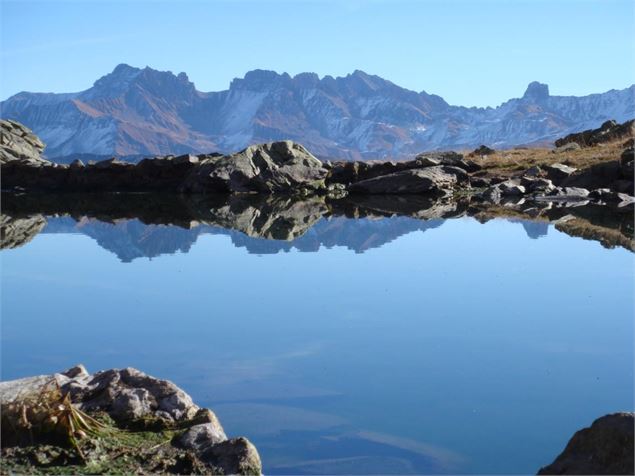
(361, 335)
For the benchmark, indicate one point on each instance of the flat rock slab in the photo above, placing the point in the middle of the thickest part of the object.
(414, 181)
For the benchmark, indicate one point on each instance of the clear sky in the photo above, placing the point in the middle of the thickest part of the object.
(469, 52)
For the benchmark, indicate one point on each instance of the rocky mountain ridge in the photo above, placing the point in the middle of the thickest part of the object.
(134, 111)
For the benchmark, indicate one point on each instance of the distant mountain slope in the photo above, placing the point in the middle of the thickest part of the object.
(143, 111)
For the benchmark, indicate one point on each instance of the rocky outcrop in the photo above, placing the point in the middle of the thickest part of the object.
(608, 131)
(277, 167)
(135, 402)
(606, 447)
(616, 175)
(19, 145)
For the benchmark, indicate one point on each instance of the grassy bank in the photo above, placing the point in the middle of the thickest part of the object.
(511, 161)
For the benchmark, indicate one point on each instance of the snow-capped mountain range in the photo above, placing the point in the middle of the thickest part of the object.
(135, 111)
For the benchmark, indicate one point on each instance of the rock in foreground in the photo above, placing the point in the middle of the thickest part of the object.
(120, 421)
(606, 447)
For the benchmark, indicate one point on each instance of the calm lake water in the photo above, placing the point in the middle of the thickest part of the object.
(380, 344)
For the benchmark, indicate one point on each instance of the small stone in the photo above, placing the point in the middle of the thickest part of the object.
(201, 437)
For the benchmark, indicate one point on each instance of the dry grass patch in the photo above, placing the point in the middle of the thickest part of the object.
(511, 161)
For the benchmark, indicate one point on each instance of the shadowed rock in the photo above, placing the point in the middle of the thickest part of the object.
(606, 447)
(608, 131)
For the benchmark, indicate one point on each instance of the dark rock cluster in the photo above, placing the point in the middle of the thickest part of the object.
(606, 447)
(288, 168)
(607, 132)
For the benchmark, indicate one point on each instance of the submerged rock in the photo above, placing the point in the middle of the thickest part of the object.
(144, 405)
(606, 447)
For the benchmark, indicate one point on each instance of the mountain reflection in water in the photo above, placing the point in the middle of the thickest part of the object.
(135, 226)
(459, 348)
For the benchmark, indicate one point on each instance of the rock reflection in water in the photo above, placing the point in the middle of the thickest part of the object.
(142, 225)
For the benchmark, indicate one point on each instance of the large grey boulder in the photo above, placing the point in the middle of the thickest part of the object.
(606, 447)
(435, 179)
(281, 167)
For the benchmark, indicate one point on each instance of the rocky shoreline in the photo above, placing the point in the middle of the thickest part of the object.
(288, 168)
(124, 421)
(283, 218)
(118, 420)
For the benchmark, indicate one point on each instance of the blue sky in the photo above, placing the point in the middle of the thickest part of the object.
(469, 52)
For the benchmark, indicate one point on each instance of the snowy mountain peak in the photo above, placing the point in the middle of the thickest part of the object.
(359, 116)
(117, 82)
(260, 80)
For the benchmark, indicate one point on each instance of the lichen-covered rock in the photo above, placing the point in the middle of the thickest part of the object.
(139, 402)
(606, 447)
(129, 395)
